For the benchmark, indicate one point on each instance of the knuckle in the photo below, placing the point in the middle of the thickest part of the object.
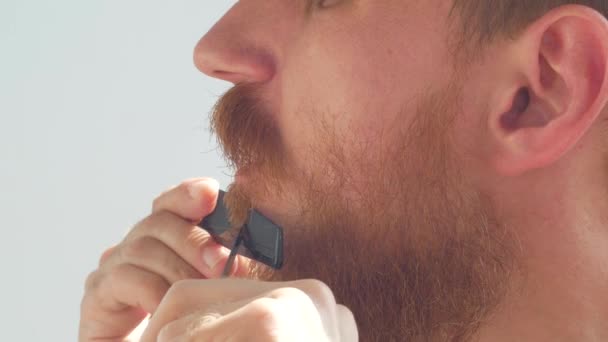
(184, 273)
(92, 281)
(141, 226)
(117, 273)
(151, 288)
(196, 326)
(292, 293)
(344, 313)
(186, 285)
(272, 320)
(179, 290)
(347, 323)
(159, 201)
(168, 332)
(154, 289)
(185, 184)
(266, 311)
(105, 255)
(160, 218)
(137, 248)
(155, 293)
(317, 290)
(165, 218)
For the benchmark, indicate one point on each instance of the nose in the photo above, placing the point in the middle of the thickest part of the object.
(229, 52)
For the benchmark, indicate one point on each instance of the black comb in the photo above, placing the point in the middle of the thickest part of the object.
(262, 239)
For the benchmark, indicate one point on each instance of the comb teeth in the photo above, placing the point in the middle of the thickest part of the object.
(233, 253)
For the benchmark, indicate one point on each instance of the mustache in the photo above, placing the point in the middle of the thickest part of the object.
(247, 132)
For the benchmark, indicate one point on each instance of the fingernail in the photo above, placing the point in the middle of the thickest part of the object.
(212, 256)
(195, 188)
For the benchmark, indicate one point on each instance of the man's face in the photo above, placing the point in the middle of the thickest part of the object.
(343, 129)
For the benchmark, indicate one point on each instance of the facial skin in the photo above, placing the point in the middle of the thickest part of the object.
(436, 199)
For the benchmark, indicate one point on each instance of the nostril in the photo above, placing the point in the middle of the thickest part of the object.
(232, 63)
(232, 77)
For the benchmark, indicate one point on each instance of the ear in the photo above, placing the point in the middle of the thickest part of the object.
(558, 86)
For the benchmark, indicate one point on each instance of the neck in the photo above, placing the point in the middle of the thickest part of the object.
(562, 294)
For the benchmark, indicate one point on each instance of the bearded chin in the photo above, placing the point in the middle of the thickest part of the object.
(399, 236)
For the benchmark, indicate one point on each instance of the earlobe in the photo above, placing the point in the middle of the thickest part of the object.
(562, 62)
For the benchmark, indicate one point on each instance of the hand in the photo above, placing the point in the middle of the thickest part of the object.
(246, 310)
(162, 249)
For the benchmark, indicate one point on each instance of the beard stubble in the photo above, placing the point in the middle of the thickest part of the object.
(399, 235)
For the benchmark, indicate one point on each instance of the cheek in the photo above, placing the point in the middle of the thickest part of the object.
(359, 79)
(338, 94)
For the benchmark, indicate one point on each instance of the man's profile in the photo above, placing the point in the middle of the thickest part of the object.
(439, 168)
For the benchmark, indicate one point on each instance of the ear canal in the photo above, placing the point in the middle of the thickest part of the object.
(511, 120)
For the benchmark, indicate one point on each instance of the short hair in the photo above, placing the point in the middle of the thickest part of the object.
(481, 21)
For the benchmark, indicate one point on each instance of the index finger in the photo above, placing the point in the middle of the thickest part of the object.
(192, 200)
(173, 221)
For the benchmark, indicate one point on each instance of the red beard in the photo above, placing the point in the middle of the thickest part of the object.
(399, 235)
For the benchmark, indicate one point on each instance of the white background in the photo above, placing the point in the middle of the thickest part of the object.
(101, 109)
